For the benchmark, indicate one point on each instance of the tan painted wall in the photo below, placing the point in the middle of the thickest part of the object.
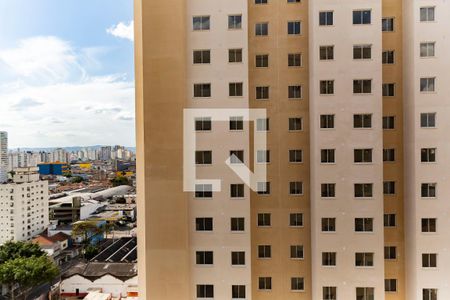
(393, 171)
(280, 172)
(163, 207)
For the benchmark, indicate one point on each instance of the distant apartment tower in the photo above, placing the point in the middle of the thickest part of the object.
(355, 206)
(23, 206)
(105, 153)
(3, 156)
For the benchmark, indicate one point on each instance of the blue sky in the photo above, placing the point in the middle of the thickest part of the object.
(66, 72)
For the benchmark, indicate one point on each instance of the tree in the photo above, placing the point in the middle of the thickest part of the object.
(85, 230)
(120, 180)
(11, 250)
(76, 179)
(25, 265)
(90, 252)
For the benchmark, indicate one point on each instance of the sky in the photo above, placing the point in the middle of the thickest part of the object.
(66, 72)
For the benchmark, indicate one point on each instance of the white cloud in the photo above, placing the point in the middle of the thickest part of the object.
(122, 30)
(25, 103)
(45, 58)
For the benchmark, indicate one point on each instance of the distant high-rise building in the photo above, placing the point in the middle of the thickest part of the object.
(3, 156)
(105, 153)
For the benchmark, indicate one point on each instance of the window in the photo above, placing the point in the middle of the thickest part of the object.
(262, 124)
(429, 260)
(238, 258)
(294, 27)
(427, 84)
(428, 190)
(428, 120)
(202, 56)
(389, 187)
(295, 156)
(294, 60)
(326, 121)
(428, 224)
(235, 22)
(389, 122)
(203, 190)
(388, 155)
(325, 18)
(297, 284)
(362, 121)
(236, 123)
(264, 251)
(236, 190)
(295, 92)
(295, 188)
(388, 89)
(327, 156)
(264, 219)
(297, 251)
(204, 258)
(262, 61)
(237, 156)
(390, 285)
(237, 224)
(364, 224)
(387, 24)
(427, 49)
(429, 294)
(295, 124)
(262, 92)
(328, 258)
(203, 224)
(328, 190)
(261, 29)
(265, 283)
(362, 155)
(365, 293)
(428, 155)
(329, 293)
(327, 87)
(326, 52)
(364, 259)
(238, 291)
(362, 52)
(362, 86)
(426, 14)
(390, 252)
(205, 291)
(328, 224)
(361, 17)
(263, 188)
(234, 55)
(203, 124)
(390, 220)
(260, 1)
(203, 157)
(263, 156)
(388, 57)
(200, 23)
(235, 89)
(296, 220)
(363, 190)
(202, 90)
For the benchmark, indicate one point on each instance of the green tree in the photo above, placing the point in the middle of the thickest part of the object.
(76, 179)
(11, 250)
(90, 251)
(120, 180)
(85, 230)
(27, 267)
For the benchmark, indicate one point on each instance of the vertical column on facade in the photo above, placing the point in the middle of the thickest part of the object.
(392, 60)
(427, 151)
(217, 78)
(346, 149)
(278, 82)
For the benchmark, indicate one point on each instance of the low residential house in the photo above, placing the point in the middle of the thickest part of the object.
(56, 246)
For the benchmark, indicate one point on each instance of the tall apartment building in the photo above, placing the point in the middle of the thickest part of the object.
(23, 206)
(3, 156)
(356, 158)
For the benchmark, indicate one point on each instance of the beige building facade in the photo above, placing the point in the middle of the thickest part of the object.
(353, 206)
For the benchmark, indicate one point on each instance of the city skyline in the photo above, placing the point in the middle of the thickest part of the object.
(66, 82)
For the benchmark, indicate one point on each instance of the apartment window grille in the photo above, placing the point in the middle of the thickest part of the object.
(429, 294)
(205, 291)
(328, 224)
(265, 283)
(428, 155)
(325, 18)
(390, 252)
(235, 22)
(328, 258)
(387, 24)
(362, 155)
(388, 89)
(262, 61)
(361, 17)
(234, 55)
(202, 56)
(203, 190)
(389, 122)
(203, 224)
(326, 52)
(388, 57)
(390, 220)
(427, 14)
(429, 260)
(236, 190)
(236, 89)
(362, 121)
(294, 27)
(201, 23)
(297, 284)
(204, 257)
(261, 29)
(329, 293)
(362, 51)
(297, 252)
(362, 86)
(203, 157)
(294, 60)
(203, 124)
(236, 123)
(427, 49)
(264, 220)
(327, 156)
(429, 224)
(364, 224)
(327, 87)
(264, 251)
(238, 258)
(363, 190)
(238, 291)
(295, 156)
(328, 190)
(295, 188)
(427, 84)
(296, 220)
(428, 120)
(237, 224)
(364, 259)
(202, 90)
(295, 92)
(295, 124)
(389, 187)
(365, 293)
(326, 121)
(428, 190)
(262, 92)
(390, 285)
